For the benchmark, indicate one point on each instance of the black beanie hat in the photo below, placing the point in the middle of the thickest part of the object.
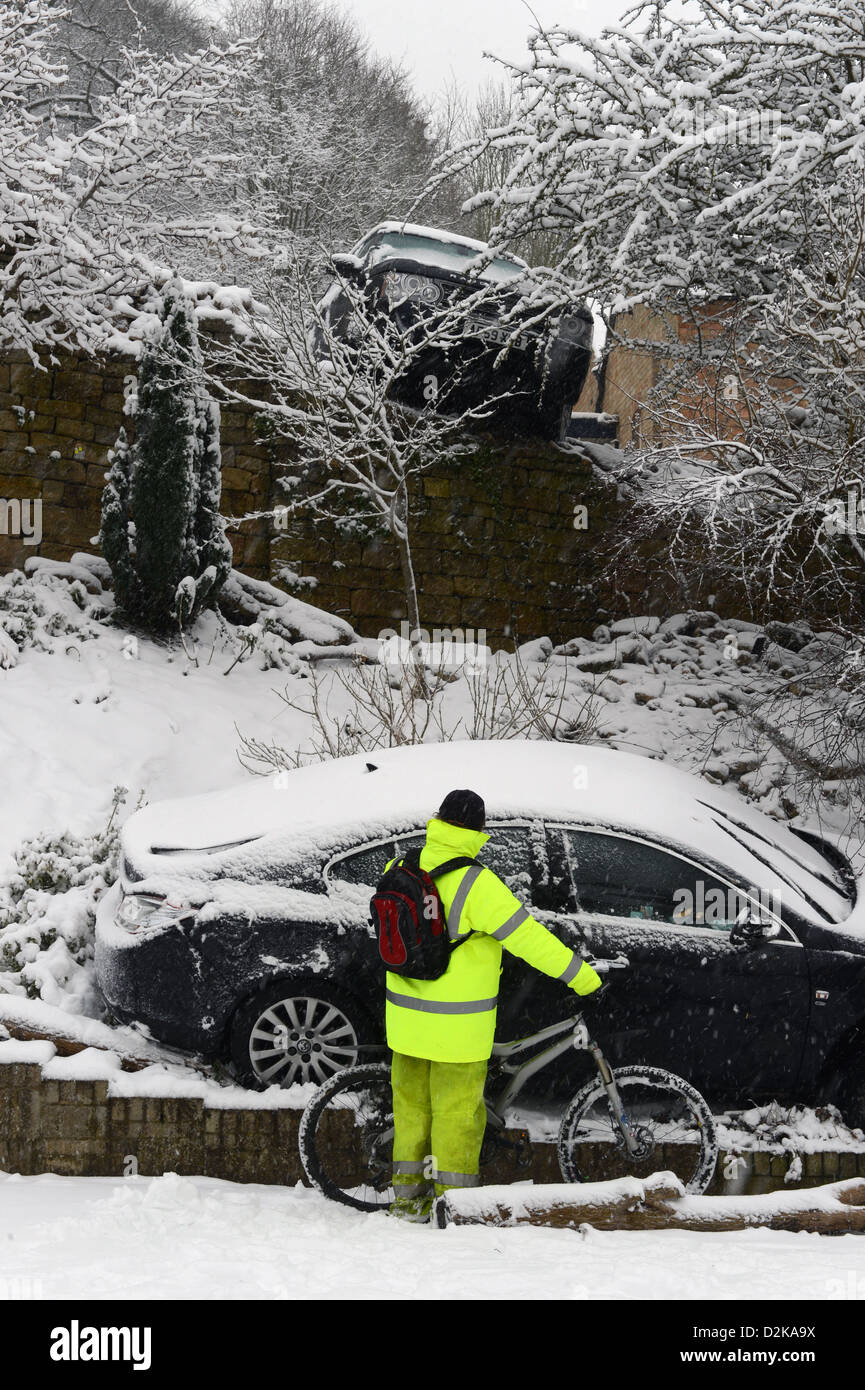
(463, 808)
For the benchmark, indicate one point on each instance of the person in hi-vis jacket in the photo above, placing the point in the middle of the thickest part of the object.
(441, 1031)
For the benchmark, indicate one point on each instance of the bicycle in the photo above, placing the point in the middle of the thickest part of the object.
(346, 1131)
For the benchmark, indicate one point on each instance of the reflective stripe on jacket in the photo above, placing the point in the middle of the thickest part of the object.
(453, 1019)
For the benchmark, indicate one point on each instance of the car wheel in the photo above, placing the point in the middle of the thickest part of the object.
(296, 1031)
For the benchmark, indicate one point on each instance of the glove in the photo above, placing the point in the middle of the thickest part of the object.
(586, 980)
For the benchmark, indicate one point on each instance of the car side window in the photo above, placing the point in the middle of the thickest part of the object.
(508, 852)
(365, 865)
(618, 877)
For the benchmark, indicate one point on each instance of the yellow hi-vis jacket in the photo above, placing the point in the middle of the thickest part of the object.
(453, 1018)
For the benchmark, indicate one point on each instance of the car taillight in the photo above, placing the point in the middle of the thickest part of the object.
(144, 911)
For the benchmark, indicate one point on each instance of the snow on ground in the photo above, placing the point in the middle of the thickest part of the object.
(97, 708)
(202, 1238)
(87, 707)
(165, 1078)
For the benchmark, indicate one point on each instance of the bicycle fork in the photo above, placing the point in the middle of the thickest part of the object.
(614, 1100)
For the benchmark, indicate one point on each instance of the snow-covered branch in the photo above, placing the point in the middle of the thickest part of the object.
(82, 213)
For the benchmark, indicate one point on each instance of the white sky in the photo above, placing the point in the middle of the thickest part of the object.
(442, 41)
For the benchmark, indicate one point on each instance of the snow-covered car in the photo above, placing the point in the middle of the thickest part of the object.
(239, 925)
(531, 375)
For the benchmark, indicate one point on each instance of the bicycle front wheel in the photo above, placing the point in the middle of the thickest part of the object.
(670, 1121)
(346, 1138)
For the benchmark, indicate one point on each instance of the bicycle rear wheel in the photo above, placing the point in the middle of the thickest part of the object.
(671, 1121)
(346, 1138)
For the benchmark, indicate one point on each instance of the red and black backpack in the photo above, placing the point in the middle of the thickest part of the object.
(409, 918)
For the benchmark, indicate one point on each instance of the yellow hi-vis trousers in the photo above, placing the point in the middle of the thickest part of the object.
(439, 1120)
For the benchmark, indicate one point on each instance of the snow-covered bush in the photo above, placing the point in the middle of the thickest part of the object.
(360, 707)
(114, 531)
(162, 533)
(48, 914)
(42, 614)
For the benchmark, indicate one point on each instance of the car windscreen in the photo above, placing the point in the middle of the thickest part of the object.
(794, 862)
(442, 255)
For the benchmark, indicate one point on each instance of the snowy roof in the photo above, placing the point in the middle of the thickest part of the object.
(442, 250)
(310, 813)
(437, 234)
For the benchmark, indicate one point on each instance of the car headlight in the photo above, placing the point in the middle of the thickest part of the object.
(143, 911)
(399, 285)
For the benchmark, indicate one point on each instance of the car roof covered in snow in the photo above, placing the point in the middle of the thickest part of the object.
(313, 812)
(438, 234)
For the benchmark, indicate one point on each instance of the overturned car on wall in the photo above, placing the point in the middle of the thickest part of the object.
(477, 345)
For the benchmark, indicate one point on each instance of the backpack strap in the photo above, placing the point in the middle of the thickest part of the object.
(462, 861)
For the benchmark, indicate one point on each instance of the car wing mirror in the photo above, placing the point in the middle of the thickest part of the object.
(348, 266)
(751, 930)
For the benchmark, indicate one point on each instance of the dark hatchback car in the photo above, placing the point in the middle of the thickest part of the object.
(531, 377)
(239, 926)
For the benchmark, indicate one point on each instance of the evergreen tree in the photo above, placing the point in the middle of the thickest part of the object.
(213, 548)
(169, 484)
(114, 531)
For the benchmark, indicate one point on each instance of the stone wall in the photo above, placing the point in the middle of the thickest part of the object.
(495, 546)
(495, 541)
(56, 427)
(77, 1128)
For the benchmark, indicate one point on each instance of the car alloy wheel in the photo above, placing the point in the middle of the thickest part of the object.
(300, 1039)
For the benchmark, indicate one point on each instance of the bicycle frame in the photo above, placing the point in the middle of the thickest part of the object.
(578, 1038)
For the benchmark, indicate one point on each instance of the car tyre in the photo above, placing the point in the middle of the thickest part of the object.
(296, 1030)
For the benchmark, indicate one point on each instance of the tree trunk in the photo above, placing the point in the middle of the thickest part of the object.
(658, 1203)
(401, 536)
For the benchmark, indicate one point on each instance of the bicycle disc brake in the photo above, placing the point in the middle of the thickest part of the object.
(642, 1138)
